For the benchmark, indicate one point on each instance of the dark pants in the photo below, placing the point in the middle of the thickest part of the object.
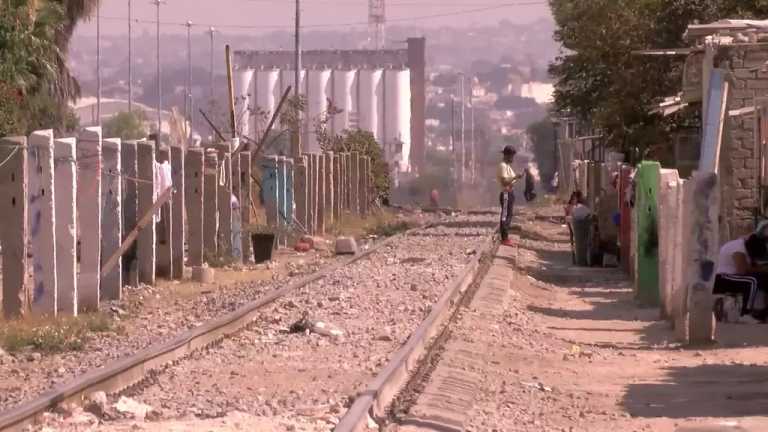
(507, 202)
(745, 285)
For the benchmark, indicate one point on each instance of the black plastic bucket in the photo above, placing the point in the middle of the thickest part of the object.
(263, 246)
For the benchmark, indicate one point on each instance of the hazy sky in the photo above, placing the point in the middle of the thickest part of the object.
(267, 15)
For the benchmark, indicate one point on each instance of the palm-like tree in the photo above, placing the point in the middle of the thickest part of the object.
(34, 36)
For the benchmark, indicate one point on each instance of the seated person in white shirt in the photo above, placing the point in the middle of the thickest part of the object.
(737, 272)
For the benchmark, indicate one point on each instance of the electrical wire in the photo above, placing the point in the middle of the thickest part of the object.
(334, 25)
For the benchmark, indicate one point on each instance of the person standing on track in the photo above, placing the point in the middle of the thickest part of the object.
(507, 178)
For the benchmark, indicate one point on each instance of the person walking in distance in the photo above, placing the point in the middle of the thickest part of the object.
(507, 178)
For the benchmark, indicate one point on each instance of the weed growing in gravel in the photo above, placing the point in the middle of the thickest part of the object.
(389, 229)
(52, 336)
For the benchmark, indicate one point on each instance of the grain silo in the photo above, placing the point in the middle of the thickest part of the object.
(244, 99)
(318, 92)
(397, 125)
(267, 91)
(372, 102)
(345, 99)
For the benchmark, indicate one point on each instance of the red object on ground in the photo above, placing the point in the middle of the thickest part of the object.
(302, 247)
(507, 242)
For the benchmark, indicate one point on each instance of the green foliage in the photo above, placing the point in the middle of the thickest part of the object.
(363, 142)
(33, 72)
(60, 335)
(389, 228)
(598, 78)
(126, 125)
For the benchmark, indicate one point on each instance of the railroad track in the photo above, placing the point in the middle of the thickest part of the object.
(471, 234)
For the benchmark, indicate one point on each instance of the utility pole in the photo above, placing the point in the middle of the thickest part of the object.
(463, 97)
(130, 57)
(159, 78)
(472, 160)
(98, 63)
(211, 32)
(188, 110)
(296, 150)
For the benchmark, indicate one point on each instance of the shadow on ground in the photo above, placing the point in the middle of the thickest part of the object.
(716, 390)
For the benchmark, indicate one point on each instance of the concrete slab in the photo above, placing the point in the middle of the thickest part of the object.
(193, 200)
(145, 244)
(14, 230)
(130, 202)
(178, 216)
(247, 202)
(211, 206)
(111, 218)
(42, 223)
(65, 173)
(89, 215)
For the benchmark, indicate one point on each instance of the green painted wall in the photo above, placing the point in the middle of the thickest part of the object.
(647, 181)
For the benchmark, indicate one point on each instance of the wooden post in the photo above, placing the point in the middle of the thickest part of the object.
(246, 203)
(42, 222)
(163, 238)
(65, 173)
(145, 152)
(89, 218)
(193, 191)
(111, 218)
(178, 211)
(14, 230)
(130, 204)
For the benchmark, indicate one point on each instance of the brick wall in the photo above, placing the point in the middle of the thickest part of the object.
(739, 155)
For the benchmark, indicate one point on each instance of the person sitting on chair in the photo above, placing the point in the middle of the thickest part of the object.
(738, 274)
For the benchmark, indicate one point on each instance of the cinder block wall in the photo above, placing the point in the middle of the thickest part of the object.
(739, 156)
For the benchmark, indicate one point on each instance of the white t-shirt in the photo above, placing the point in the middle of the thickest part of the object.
(725, 262)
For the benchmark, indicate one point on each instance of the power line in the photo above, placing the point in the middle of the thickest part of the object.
(349, 24)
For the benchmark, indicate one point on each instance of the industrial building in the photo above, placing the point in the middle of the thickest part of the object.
(380, 91)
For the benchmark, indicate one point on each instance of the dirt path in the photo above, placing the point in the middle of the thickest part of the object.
(548, 347)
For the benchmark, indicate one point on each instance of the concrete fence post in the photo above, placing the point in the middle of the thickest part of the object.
(145, 243)
(289, 196)
(111, 218)
(210, 205)
(311, 193)
(42, 223)
(130, 205)
(65, 173)
(348, 182)
(225, 201)
(237, 214)
(270, 190)
(193, 200)
(300, 190)
(163, 239)
(355, 183)
(321, 192)
(365, 174)
(14, 231)
(668, 213)
(89, 215)
(329, 190)
(280, 186)
(337, 190)
(246, 203)
(178, 214)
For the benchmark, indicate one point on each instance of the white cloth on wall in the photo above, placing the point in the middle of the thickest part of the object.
(162, 181)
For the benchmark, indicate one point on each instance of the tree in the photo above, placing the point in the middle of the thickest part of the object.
(363, 142)
(599, 79)
(127, 126)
